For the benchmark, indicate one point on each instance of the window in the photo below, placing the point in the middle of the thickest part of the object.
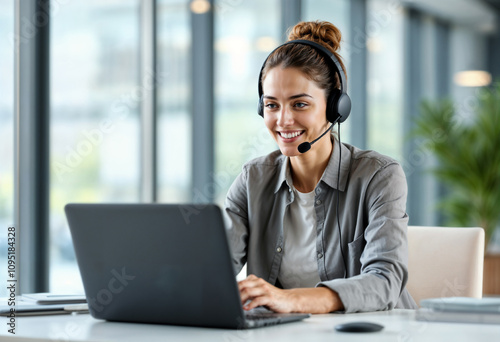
(173, 101)
(6, 132)
(94, 128)
(336, 12)
(244, 35)
(385, 78)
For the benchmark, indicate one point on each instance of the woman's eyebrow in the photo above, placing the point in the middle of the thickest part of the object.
(290, 98)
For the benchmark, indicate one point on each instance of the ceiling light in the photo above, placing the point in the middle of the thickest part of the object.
(266, 44)
(200, 6)
(472, 78)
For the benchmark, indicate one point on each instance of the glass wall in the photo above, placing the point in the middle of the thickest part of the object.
(174, 98)
(384, 29)
(244, 36)
(470, 51)
(96, 94)
(94, 127)
(6, 131)
(338, 13)
(334, 11)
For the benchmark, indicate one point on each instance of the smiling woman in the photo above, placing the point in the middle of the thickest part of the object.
(294, 111)
(289, 211)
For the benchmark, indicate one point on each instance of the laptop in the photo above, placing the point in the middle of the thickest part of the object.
(160, 263)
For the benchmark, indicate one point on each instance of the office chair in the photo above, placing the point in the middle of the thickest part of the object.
(445, 262)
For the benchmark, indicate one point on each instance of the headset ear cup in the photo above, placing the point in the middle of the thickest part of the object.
(344, 107)
(331, 106)
(260, 108)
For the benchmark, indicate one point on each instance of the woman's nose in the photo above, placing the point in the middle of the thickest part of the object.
(285, 117)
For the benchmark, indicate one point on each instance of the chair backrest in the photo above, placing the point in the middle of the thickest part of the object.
(445, 262)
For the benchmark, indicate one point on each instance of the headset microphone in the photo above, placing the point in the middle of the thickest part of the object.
(338, 103)
(306, 146)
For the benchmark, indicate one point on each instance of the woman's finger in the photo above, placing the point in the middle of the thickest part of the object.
(253, 290)
(258, 301)
(250, 281)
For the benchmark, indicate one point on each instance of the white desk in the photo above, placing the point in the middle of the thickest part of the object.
(400, 326)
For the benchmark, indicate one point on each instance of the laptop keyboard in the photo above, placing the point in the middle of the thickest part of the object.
(261, 315)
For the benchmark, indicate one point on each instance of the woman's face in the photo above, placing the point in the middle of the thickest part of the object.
(294, 109)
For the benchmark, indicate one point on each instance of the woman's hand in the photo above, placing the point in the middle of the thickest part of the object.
(308, 300)
(260, 293)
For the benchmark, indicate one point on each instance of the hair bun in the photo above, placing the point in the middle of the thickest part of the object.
(322, 32)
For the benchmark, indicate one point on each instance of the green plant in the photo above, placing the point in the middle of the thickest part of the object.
(468, 158)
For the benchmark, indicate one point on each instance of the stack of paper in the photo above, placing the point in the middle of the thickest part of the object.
(44, 304)
(460, 309)
(50, 298)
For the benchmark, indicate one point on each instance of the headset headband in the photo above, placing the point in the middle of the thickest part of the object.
(321, 49)
(338, 103)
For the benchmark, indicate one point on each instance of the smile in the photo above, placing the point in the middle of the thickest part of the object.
(290, 135)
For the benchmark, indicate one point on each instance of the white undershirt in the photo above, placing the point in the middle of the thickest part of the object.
(299, 266)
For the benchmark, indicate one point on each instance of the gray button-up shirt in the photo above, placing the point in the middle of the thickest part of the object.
(373, 221)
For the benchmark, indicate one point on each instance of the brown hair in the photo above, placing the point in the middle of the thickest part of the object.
(306, 58)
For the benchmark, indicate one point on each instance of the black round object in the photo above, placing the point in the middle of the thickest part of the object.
(358, 327)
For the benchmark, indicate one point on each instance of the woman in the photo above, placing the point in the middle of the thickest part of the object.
(316, 240)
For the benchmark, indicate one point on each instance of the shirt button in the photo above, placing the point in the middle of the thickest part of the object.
(278, 249)
(318, 202)
(320, 255)
(318, 191)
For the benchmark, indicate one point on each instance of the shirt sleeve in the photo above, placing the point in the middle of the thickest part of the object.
(384, 258)
(236, 220)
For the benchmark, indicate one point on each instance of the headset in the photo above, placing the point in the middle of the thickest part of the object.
(338, 108)
(338, 105)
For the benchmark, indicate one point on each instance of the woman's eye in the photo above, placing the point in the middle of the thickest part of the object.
(271, 105)
(300, 104)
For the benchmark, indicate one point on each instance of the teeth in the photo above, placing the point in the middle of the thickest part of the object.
(289, 135)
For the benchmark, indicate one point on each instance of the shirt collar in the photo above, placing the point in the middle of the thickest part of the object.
(331, 171)
(285, 175)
